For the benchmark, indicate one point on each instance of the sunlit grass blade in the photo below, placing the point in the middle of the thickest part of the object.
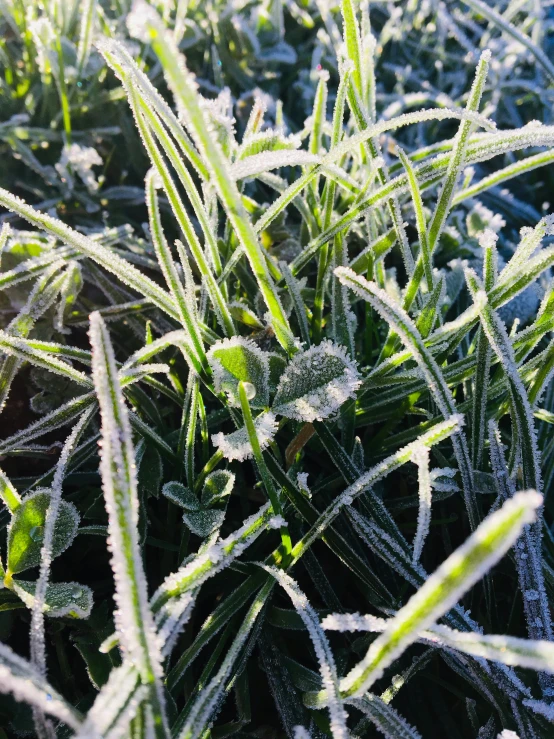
(185, 301)
(180, 81)
(127, 273)
(443, 589)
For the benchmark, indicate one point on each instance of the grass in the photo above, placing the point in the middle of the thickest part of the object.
(276, 368)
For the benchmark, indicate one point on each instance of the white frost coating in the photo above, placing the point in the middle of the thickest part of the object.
(299, 732)
(172, 618)
(443, 486)
(365, 481)
(18, 347)
(322, 649)
(531, 239)
(277, 522)
(236, 445)
(542, 708)
(20, 679)
(142, 15)
(76, 598)
(402, 324)
(219, 555)
(444, 588)
(38, 647)
(237, 359)
(302, 482)
(316, 383)
(420, 457)
(115, 705)
(269, 160)
(387, 719)
(353, 622)
(79, 160)
(488, 239)
(507, 734)
(500, 343)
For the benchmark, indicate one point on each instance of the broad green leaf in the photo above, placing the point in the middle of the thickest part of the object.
(316, 383)
(217, 487)
(238, 359)
(67, 599)
(205, 521)
(26, 531)
(177, 493)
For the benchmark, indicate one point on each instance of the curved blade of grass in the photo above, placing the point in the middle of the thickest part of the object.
(387, 720)
(497, 337)
(322, 650)
(185, 301)
(209, 700)
(124, 271)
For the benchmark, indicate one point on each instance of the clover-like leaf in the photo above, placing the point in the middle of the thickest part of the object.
(217, 488)
(69, 599)
(205, 521)
(239, 359)
(26, 530)
(177, 493)
(316, 383)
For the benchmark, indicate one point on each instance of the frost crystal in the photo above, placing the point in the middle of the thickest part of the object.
(139, 19)
(79, 160)
(237, 445)
(316, 383)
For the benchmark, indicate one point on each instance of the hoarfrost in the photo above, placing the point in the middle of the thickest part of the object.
(236, 445)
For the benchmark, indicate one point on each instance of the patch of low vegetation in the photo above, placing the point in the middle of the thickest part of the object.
(276, 366)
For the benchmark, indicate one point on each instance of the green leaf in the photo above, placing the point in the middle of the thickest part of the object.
(204, 522)
(69, 599)
(316, 383)
(26, 530)
(217, 487)
(238, 359)
(180, 495)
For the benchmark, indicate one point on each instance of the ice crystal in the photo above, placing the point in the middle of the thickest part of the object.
(420, 457)
(79, 160)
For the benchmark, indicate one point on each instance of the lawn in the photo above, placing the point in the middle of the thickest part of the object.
(276, 361)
